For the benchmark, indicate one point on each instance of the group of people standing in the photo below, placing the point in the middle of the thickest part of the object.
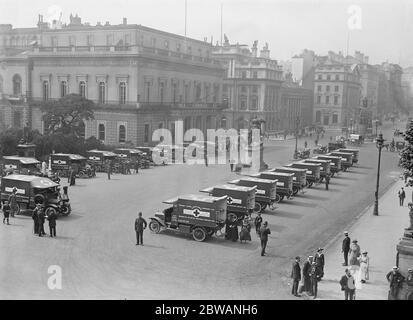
(312, 273)
(39, 217)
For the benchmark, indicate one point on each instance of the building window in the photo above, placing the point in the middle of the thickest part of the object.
(17, 119)
(243, 104)
(318, 116)
(328, 88)
(318, 99)
(318, 88)
(162, 91)
(174, 92)
(90, 40)
(72, 41)
(1, 84)
(17, 85)
(337, 77)
(186, 93)
(45, 90)
(63, 88)
(243, 74)
(178, 47)
(254, 103)
(166, 44)
(122, 133)
(54, 41)
(328, 77)
(243, 89)
(122, 93)
(102, 92)
(146, 133)
(255, 74)
(82, 89)
(109, 39)
(198, 92)
(101, 132)
(335, 118)
(147, 91)
(335, 88)
(336, 100)
(254, 89)
(153, 42)
(327, 99)
(127, 39)
(320, 77)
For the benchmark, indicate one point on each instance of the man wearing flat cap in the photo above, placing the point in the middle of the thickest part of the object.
(296, 276)
(345, 248)
(395, 280)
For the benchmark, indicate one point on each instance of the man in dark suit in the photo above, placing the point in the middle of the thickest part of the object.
(296, 276)
(345, 248)
(348, 285)
(306, 275)
(264, 232)
(140, 225)
(52, 223)
(35, 217)
(395, 280)
(41, 217)
(314, 279)
(319, 260)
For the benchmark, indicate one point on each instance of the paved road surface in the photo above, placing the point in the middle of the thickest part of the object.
(96, 244)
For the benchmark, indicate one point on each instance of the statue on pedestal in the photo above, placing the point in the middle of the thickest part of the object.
(410, 205)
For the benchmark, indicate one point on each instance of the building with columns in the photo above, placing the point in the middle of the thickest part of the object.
(140, 78)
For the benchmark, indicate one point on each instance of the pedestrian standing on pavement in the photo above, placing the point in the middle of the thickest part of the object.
(345, 248)
(320, 261)
(348, 285)
(257, 223)
(395, 280)
(364, 267)
(14, 207)
(306, 275)
(409, 279)
(402, 195)
(140, 225)
(6, 212)
(264, 232)
(52, 223)
(245, 234)
(35, 217)
(305, 144)
(314, 279)
(231, 165)
(296, 276)
(108, 169)
(355, 253)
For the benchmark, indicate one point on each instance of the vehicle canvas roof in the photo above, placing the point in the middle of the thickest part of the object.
(70, 155)
(24, 160)
(130, 150)
(253, 179)
(276, 174)
(306, 163)
(104, 152)
(36, 182)
(228, 187)
(287, 168)
(196, 197)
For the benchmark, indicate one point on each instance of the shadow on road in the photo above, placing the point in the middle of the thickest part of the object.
(363, 167)
(298, 203)
(313, 197)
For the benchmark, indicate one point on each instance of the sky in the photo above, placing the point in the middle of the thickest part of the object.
(381, 29)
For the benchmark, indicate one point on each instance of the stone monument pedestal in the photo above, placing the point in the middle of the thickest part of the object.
(405, 262)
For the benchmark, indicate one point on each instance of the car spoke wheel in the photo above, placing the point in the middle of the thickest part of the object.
(295, 190)
(50, 210)
(66, 209)
(257, 207)
(154, 226)
(199, 234)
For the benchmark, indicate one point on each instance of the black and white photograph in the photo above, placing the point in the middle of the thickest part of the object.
(195, 150)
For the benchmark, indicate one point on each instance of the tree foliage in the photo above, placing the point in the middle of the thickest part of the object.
(9, 139)
(66, 115)
(406, 155)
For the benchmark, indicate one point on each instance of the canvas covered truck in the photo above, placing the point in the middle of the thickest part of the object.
(266, 195)
(99, 158)
(313, 171)
(299, 179)
(346, 159)
(335, 165)
(198, 215)
(325, 167)
(21, 165)
(284, 182)
(61, 163)
(355, 153)
(240, 200)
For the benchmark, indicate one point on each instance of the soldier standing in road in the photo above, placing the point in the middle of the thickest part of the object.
(41, 218)
(402, 195)
(6, 212)
(13, 202)
(345, 247)
(327, 178)
(257, 222)
(52, 223)
(35, 217)
(140, 225)
(395, 280)
(108, 169)
(319, 260)
(314, 279)
(264, 232)
(296, 276)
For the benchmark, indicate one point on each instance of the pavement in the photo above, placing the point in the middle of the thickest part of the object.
(378, 235)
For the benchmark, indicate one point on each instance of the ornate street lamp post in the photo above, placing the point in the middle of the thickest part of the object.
(297, 122)
(379, 145)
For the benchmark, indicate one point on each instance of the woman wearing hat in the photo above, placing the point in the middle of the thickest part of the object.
(355, 252)
(364, 267)
(245, 234)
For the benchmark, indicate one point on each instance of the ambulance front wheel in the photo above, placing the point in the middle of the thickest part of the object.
(199, 234)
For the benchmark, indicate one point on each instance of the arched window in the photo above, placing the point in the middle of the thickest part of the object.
(102, 92)
(45, 89)
(122, 133)
(17, 85)
(101, 132)
(63, 88)
(82, 89)
(161, 91)
(122, 93)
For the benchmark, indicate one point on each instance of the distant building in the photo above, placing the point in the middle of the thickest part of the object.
(141, 78)
(407, 86)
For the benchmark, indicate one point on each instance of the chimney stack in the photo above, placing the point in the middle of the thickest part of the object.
(125, 21)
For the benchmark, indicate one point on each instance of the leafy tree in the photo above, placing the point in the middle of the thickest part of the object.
(66, 115)
(406, 155)
(9, 139)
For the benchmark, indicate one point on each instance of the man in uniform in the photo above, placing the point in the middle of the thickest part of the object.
(319, 260)
(345, 247)
(35, 217)
(314, 279)
(13, 202)
(108, 169)
(296, 276)
(140, 225)
(6, 212)
(257, 222)
(264, 232)
(52, 223)
(327, 178)
(395, 280)
(40, 219)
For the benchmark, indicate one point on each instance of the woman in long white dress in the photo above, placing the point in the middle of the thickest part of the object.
(355, 253)
(364, 267)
